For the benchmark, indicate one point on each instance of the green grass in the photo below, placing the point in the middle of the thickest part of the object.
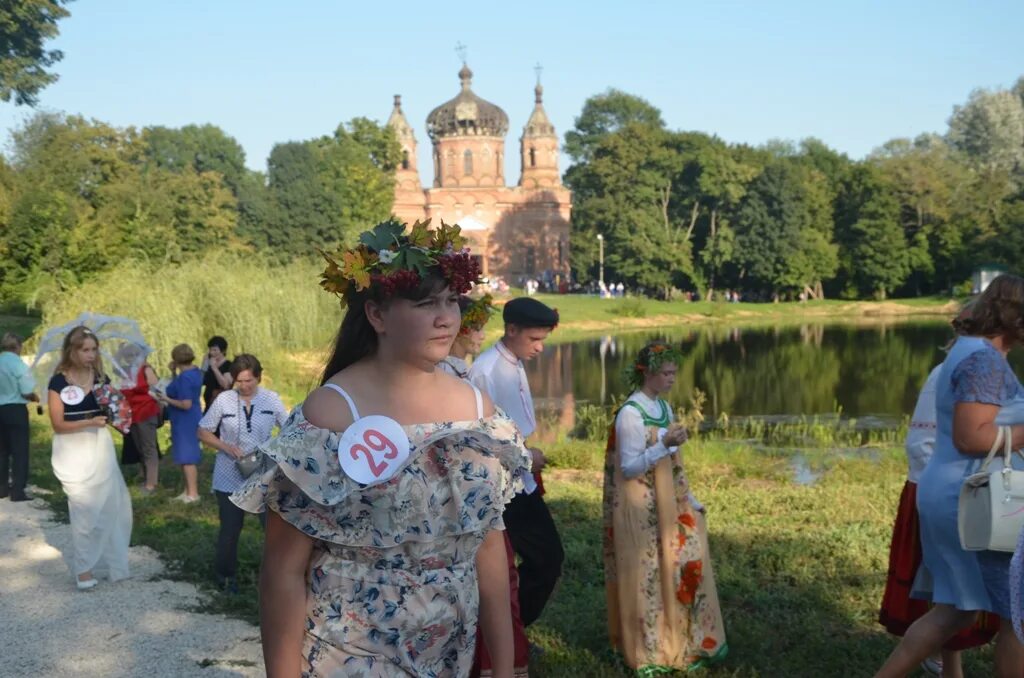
(800, 568)
(584, 315)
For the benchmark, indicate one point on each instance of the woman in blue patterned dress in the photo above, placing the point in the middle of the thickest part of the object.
(384, 564)
(975, 381)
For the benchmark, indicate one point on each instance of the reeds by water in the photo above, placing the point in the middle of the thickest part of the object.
(260, 308)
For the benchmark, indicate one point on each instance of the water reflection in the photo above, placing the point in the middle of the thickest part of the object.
(795, 370)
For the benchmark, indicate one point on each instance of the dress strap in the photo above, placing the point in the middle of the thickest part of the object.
(340, 391)
(479, 402)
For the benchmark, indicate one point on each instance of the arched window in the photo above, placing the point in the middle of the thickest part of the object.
(405, 159)
(533, 157)
(497, 165)
(449, 169)
(467, 162)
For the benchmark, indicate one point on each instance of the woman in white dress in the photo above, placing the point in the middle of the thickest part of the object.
(84, 462)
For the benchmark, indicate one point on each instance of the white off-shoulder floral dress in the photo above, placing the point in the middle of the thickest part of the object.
(392, 579)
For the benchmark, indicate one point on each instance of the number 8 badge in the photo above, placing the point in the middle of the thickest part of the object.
(373, 449)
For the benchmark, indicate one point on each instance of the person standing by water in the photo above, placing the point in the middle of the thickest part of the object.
(182, 401)
(216, 370)
(975, 381)
(663, 610)
(898, 609)
(499, 372)
(17, 390)
(385, 488)
(239, 420)
(86, 465)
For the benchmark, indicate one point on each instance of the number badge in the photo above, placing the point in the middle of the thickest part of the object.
(373, 449)
(72, 395)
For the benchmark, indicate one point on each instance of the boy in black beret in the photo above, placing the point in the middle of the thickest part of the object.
(499, 371)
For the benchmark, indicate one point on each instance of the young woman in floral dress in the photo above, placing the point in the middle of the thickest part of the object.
(656, 559)
(384, 547)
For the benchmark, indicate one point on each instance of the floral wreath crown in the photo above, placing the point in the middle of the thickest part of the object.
(396, 261)
(477, 314)
(651, 359)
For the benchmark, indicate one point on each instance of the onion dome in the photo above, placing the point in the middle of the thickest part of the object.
(467, 114)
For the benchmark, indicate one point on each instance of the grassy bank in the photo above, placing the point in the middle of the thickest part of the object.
(586, 314)
(267, 309)
(800, 567)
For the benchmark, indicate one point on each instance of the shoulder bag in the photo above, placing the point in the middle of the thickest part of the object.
(990, 515)
(247, 464)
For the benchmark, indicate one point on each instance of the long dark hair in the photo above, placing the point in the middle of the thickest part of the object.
(356, 337)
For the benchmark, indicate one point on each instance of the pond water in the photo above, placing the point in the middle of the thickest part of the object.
(790, 371)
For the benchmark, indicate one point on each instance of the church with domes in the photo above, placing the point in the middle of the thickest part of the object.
(519, 232)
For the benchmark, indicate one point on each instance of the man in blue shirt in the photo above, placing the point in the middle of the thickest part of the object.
(17, 388)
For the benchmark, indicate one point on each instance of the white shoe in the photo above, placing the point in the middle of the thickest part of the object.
(189, 500)
(87, 584)
(932, 667)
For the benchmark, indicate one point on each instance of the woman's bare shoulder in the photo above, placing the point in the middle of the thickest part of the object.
(327, 409)
(462, 397)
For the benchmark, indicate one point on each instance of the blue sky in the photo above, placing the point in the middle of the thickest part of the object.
(853, 74)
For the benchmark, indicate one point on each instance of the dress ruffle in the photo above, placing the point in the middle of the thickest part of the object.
(457, 480)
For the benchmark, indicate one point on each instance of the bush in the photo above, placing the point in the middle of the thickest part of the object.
(259, 307)
(631, 307)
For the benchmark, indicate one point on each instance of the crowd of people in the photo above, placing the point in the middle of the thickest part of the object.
(83, 404)
(406, 530)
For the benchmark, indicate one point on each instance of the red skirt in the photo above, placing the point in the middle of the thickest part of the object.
(521, 649)
(899, 610)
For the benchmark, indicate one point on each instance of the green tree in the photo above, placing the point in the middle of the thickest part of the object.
(989, 130)
(784, 231)
(207, 148)
(930, 184)
(302, 207)
(635, 201)
(358, 164)
(602, 115)
(25, 26)
(326, 190)
(876, 257)
(715, 177)
(87, 199)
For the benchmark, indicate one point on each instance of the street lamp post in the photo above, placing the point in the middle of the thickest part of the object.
(600, 245)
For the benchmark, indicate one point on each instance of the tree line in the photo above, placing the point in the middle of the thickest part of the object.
(677, 210)
(687, 211)
(78, 197)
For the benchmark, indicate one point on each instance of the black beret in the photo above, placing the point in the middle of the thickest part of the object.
(528, 312)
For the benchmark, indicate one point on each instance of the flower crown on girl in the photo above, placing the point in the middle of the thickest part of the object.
(651, 359)
(477, 314)
(395, 261)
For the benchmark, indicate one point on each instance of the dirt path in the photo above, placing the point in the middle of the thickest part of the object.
(139, 627)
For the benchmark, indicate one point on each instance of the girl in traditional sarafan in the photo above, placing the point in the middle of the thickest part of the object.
(663, 609)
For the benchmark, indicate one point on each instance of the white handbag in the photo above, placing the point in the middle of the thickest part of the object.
(991, 510)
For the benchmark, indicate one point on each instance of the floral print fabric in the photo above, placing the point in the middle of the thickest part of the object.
(392, 580)
(663, 606)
